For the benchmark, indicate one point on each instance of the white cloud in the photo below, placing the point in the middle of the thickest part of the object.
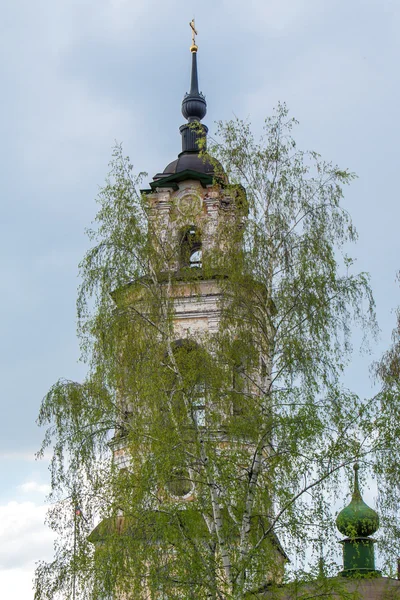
(16, 584)
(24, 539)
(34, 486)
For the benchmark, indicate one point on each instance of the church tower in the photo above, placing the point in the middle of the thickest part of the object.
(190, 204)
(195, 226)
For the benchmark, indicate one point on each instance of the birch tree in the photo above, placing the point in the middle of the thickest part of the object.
(386, 431)
(208, 463)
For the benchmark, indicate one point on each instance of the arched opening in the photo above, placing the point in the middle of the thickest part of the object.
(191, 248)
(190, 360)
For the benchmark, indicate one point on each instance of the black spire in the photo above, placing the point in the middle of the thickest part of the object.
(194, 108)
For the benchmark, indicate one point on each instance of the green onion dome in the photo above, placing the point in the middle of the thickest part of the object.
(357, 519)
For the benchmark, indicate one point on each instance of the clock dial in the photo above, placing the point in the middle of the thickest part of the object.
(189, 206)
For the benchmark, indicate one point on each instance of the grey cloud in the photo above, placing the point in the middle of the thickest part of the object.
(76, 76)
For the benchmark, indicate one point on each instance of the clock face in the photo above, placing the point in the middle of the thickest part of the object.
(189, 205)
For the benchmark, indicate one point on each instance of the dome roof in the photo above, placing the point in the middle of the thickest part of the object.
(357, 519)
(194, 162)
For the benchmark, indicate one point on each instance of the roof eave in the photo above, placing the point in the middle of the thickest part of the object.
(172, 181)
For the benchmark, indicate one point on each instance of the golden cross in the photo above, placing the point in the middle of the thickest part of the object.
(194, 32)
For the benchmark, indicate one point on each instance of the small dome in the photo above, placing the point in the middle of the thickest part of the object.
(357, 519)
(194, 107)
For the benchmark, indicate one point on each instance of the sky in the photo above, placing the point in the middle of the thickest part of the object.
(78, 76)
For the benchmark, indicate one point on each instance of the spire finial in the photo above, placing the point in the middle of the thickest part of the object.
(194, 106)
(193, 47)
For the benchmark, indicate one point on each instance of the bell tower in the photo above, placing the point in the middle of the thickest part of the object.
(191, 205)
(202, 404)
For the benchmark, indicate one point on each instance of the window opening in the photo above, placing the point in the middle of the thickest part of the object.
(195, 259)
(191, 250)
(186, 353)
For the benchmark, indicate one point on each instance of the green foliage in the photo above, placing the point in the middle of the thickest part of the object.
(386, 431)
(248, 424)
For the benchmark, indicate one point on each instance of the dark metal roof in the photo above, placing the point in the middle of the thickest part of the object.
(188, 163)
(192, 161)
(172, 180)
